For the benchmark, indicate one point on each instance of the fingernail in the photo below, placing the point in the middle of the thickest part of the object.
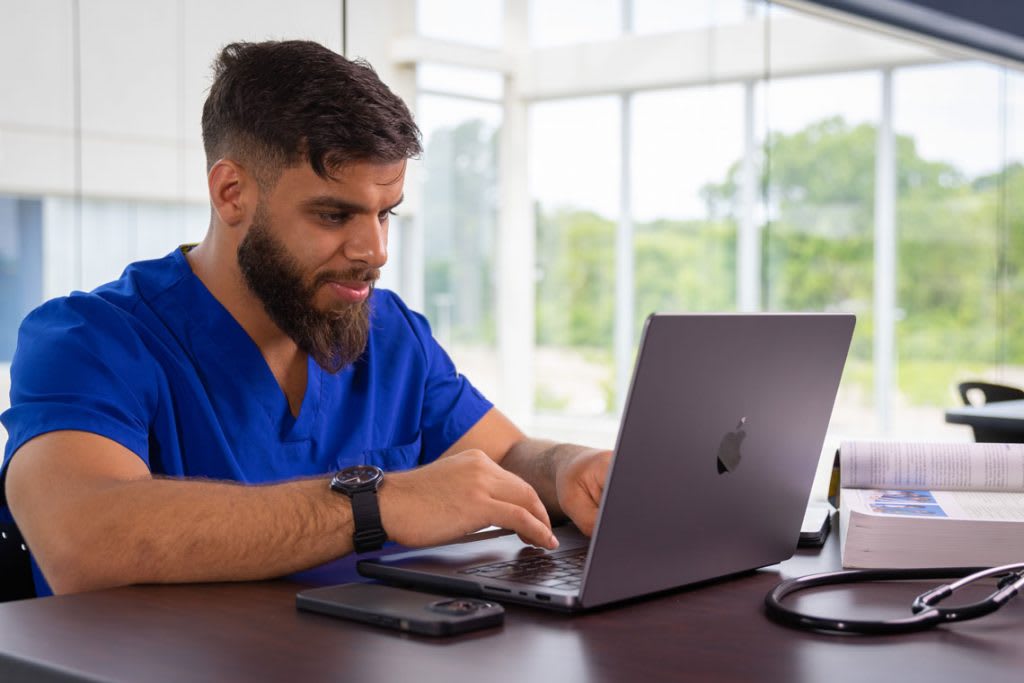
(553, 542)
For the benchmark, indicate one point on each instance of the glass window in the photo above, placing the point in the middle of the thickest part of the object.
(575, 166)
(460, 223)
(1011, 290)
(21, 266)
(114, 233)
(74, 211)
(818, 246)
(950, 190)
(685, 142)
(456, 80)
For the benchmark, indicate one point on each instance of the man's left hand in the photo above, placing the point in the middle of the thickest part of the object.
(579, 484)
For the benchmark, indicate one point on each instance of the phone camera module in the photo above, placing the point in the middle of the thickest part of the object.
(458, 606)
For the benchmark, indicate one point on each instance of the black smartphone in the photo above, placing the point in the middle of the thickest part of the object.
(398, 608)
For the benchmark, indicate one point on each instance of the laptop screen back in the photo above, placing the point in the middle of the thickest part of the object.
(717, 449)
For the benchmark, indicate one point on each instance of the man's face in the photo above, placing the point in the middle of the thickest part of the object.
(313, 253)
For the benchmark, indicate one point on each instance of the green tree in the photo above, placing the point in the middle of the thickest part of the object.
(819, 246)
(684, 266)
(960, 251)
(576, 287)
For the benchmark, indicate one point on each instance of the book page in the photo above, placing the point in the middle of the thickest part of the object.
(966, 505)
(1004, 507)
(931, 466)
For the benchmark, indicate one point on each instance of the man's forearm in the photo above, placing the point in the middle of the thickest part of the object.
(162, 530)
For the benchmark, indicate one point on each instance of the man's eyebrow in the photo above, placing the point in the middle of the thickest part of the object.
(333, 203)
(341, 205)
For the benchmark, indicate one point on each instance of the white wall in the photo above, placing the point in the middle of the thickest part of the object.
(144, 70)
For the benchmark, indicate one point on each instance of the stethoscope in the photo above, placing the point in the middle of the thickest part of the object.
(925, 610)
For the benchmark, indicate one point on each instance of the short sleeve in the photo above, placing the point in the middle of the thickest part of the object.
(80, 364)
(451, 404)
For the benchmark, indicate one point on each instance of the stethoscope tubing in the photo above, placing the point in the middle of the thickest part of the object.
(925, 612)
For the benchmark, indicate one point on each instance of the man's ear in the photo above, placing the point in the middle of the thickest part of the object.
(233, 192)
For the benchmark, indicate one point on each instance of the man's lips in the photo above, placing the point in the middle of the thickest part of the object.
(352, 291)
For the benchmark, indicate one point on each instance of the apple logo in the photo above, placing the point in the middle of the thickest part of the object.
(729, 450)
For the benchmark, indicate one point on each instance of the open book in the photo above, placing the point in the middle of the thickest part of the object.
(931, 504)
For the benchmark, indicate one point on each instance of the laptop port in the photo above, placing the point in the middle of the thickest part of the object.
(541, 596)
(496, 588)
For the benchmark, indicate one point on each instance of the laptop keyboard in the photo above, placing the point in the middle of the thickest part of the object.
(558, 570)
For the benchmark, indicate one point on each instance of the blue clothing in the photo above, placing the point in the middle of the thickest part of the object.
(154, 362)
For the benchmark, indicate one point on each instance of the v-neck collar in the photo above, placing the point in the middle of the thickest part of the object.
(230, 360)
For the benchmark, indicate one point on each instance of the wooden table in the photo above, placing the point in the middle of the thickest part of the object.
(717, 632)
(1004, 418)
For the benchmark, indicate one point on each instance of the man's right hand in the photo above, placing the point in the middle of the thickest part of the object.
(457, 495)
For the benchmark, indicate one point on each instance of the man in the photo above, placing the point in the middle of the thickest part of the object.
(263, 357)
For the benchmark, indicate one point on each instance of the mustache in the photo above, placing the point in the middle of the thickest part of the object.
(370, 275)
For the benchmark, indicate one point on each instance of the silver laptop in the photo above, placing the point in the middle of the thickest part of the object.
(716, 453)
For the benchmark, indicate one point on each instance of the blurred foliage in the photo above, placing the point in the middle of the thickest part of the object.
(960, 252)
(576, 287)
(460, 219)
(960, 256)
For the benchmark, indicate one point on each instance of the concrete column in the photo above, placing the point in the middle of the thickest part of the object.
(748, 240)
(516, 256)
(625, 284)
(885, 259)
(625, 256)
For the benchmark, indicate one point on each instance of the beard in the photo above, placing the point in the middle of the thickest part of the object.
(334, 338)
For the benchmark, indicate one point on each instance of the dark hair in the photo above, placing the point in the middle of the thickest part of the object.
(275, 104)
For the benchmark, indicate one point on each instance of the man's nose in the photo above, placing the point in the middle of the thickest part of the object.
(369, 243)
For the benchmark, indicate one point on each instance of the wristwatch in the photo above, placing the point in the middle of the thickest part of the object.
(360, 484)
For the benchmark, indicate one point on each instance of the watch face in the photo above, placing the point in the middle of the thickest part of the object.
(357, 475)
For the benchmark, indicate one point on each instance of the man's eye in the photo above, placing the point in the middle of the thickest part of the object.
(334, 218)
(385, 215)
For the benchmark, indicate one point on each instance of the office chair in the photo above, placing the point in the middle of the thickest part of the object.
(991, 393)
(15, 567)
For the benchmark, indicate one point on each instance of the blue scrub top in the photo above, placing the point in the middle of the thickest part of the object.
(154, 362)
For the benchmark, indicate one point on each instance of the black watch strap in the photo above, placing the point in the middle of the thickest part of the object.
(369, 532)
